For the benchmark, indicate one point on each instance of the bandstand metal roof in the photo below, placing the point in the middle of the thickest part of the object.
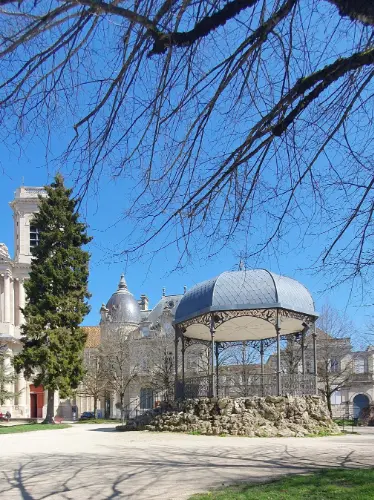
(246, 306)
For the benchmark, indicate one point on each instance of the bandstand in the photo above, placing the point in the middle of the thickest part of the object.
(248, 305)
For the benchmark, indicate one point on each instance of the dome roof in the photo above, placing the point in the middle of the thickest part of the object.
(250, 289)
(122, 306)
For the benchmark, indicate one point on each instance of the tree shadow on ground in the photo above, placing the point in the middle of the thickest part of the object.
(159, 472)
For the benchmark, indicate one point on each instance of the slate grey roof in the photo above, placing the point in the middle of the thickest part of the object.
(170, 301)
(250, 289)
(123, 308)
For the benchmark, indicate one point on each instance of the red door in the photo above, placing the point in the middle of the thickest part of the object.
(36, 401)
(33, 405)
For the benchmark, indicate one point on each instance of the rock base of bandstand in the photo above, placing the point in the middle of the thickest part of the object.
(270, 416)
(366, 416)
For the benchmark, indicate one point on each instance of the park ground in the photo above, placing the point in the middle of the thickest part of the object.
(94, 461)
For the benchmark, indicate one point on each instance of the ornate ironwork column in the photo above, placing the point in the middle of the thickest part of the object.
(262, 366)
(217, 369)
(303, 352)
(176, 385)
(279, 375)
(315, 357)
(213, 376)
(183, 370)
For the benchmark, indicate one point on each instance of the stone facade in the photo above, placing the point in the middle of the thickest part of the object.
(350, 372)
(29, 401)
(152, 332)
(270, 416)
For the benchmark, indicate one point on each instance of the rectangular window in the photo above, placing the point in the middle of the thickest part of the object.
(146, 398)
(336, 398)
(334, 365)
(359, 365)
(144, 365)
(34, 236)
(145, 331)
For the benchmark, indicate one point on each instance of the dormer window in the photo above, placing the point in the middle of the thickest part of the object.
(34, 236)
(359, 365)
(334, 365)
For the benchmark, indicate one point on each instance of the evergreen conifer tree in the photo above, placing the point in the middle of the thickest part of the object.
(57, 294)
(7, 376)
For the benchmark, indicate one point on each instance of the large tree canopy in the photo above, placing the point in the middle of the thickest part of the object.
(232, 119)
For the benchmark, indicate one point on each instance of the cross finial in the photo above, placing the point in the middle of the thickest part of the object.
(241, 265)
(163, 291)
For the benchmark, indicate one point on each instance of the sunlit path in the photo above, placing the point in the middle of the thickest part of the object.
(89, 461)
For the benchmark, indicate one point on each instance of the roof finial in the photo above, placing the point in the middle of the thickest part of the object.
(241, 265)
(122, 285)
(184, 289)
(163, 291)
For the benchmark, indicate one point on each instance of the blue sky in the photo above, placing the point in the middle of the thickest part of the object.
(102, 210)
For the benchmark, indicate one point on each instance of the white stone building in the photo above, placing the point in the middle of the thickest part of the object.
(350, 373)
(151, 328)
(30, 400)
(121, 312)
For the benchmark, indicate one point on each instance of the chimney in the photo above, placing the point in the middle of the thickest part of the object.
(143, 302)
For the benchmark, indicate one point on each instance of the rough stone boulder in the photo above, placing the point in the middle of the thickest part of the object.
(366, 416)
(255, 416)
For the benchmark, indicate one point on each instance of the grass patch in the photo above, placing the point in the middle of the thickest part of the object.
(342, 484)
(15, 429)
(98, 421)
(324, 433)
(346, 422)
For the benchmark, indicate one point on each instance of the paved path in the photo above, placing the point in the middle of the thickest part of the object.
(88, 461)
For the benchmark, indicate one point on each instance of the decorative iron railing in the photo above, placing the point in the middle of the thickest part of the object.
(254, 385)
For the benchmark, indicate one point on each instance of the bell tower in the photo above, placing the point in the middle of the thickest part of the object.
(26, 235)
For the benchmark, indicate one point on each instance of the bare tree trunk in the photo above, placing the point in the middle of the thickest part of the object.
(49, 418)
(95, 405)
(328, 401)
(122, 411)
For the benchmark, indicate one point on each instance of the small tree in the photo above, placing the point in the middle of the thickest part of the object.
(56, 294)
(291, 357)
(120, 362)
(333, 344)
(94, 382)
(241, 358)
(7, 375)
(160, 362)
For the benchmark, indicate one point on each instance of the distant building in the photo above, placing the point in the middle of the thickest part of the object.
(120, 312)
(350, 372)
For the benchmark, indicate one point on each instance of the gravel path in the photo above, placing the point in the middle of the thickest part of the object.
(89, 461)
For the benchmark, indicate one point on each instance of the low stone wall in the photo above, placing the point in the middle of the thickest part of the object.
(255, 416)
